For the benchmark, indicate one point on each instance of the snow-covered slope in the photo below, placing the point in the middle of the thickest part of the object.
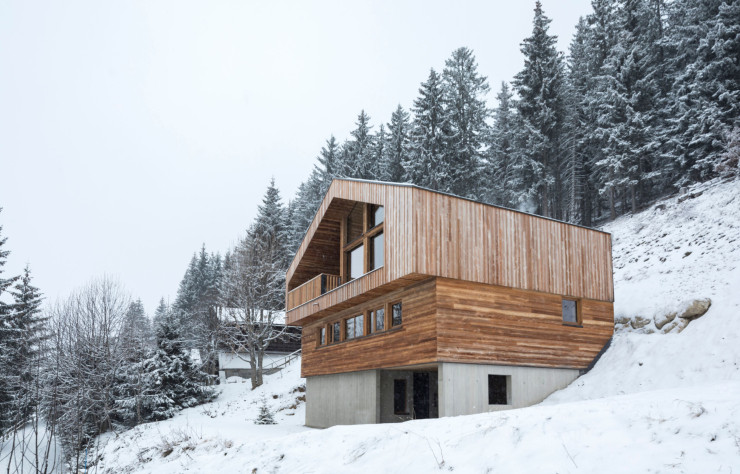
(653, 403)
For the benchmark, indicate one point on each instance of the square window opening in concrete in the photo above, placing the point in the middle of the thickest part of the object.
(499, 391)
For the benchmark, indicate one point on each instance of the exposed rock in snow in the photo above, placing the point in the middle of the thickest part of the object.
(695, 309)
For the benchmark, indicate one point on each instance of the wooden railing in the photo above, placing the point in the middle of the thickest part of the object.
(313, 288)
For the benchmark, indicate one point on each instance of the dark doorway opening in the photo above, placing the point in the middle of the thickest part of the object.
(425, 395)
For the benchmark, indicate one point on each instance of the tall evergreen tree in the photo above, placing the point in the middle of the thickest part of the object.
(357, 157)
(428, 163)
(8, 336)
(172, 381)
(398, 146)
(501, 151)
(379, 155)
(22, 351)
(268, 236)
(464, 92)
(540, 88)
(702, 38)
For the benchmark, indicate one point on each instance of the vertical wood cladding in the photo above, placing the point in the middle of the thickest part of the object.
(483, 323)
(414, 342)
(433, 234)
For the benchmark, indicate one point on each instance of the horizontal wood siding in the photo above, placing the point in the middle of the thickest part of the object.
(412, 343)
(489, 324)
(465, 240)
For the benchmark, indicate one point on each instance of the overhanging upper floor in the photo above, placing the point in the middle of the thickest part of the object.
(425, 233)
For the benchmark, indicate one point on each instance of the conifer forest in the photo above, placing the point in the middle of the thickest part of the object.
(645, 102)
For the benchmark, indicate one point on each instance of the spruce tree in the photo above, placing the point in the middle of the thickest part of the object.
(464, 93)
(357, 158)
(398, 146)
(23, 349)
(540, 88)
(172, 381)
(502, 148)
(379, 155)
(8, 337)
(428, 164)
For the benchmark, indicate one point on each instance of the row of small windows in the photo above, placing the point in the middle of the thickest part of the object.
(363, 324)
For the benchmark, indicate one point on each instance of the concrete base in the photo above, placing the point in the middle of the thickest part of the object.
(463, 388)
(342, 399)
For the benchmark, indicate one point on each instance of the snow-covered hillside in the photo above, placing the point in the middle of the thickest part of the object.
(653, 403)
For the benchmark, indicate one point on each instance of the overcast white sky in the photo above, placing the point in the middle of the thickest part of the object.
(132, 132)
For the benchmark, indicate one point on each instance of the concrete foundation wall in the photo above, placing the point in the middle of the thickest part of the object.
(343, 399)
(463, 388)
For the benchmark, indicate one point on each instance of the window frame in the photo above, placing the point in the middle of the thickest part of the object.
(365, 239)
(579, 316)
(390, 308)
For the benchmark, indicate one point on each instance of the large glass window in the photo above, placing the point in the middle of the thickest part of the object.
(376, 251)
(356, 262)
(399, 397)
(396, 318)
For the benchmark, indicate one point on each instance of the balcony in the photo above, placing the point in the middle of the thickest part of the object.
(313, 288)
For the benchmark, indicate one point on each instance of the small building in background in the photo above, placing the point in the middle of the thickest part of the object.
(279, 352)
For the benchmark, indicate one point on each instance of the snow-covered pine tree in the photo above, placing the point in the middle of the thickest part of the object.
(398, 146)
(464, 95)
(428, 164)
(379, 155)
(24, 349)
(7, 338)
(501, 151)
(172, 381)
(265, 416)
(137, 341)
(539, 86)
(357, 157)
(702, 48)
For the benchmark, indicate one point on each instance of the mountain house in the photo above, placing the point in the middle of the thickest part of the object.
(419, 304)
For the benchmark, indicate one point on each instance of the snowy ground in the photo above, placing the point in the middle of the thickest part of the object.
(653, 403)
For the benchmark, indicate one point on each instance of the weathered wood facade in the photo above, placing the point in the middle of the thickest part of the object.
(478, 283)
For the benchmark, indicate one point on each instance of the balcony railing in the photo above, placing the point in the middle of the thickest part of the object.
(313, 288)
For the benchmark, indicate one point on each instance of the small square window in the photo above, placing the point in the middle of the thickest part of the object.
(570, 311)
(498, 389)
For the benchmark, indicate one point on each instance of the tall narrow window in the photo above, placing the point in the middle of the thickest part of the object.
(336, 332)
(355, 262)
(376, 252)
(378, 321)
(354, 223)
(570, 311)
(322, 336)
(399, 397)
(349, 330)
(396, 317)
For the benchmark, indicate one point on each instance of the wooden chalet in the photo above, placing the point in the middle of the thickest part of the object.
(416, 304)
